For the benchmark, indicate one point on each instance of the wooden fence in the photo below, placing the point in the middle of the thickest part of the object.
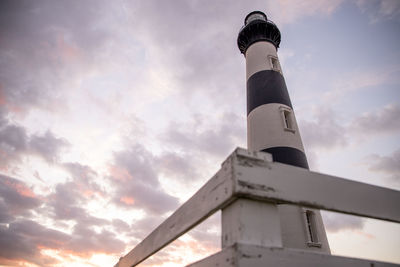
(254, 179)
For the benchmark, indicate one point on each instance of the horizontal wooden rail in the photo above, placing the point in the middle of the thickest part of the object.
(280, 183)
(209, 199)
(253, 175)
(243, 255)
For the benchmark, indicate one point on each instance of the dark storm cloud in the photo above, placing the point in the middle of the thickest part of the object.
(136, 182)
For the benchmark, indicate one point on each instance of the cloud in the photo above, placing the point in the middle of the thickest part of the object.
(389, 165)
(335, 222)
(326, 133)
(136, 183)
(323, 133)
(144, 226)
(5, 216)
(50, 47)
(68, 201)
(15, 143)
(380, 9)
(17, 196)
(287, 11)
(24, 240)
(18, 244)
(47, 146)
(189, 62)
(84, 179)
(201, 135)
(384, 121)
(181, 166)
(208, 233)
(86, 241)
(390, 8)
(120, 226)
(359, 80)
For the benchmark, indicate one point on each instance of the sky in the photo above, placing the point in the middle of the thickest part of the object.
(113, 113)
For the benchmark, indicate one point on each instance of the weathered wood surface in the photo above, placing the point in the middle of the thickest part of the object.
(241, 255)
(209, 199)
(251, 222)
(252, 175)
(223, 258)
(282, 183)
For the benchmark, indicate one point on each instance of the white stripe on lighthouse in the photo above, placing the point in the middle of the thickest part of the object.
(266, 128)
(257, 57)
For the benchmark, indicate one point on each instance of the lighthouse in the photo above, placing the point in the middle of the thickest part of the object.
(272, 126)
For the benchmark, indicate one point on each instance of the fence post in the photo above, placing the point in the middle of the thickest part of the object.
(251, 222)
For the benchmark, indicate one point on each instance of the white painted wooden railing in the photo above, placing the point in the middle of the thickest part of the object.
(252, 178)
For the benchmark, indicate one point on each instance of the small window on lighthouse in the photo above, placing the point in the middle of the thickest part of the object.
(286, 115)
(287, 119)
(275, 63)
(311, 228)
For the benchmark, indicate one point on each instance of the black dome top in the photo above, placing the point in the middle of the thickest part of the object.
(257, 28)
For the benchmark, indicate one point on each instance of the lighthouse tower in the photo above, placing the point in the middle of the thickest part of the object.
(272, 126)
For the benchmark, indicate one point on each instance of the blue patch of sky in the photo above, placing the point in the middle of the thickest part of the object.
(372, 99)
(331, 49)
(345, 41)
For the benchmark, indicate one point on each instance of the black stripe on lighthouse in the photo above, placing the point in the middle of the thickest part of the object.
(264, 87)
(288, 155)
(267, 87)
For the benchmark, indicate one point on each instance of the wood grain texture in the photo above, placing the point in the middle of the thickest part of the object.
(252, 175)
(209, 199)
(280, 183)
(243, 255)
